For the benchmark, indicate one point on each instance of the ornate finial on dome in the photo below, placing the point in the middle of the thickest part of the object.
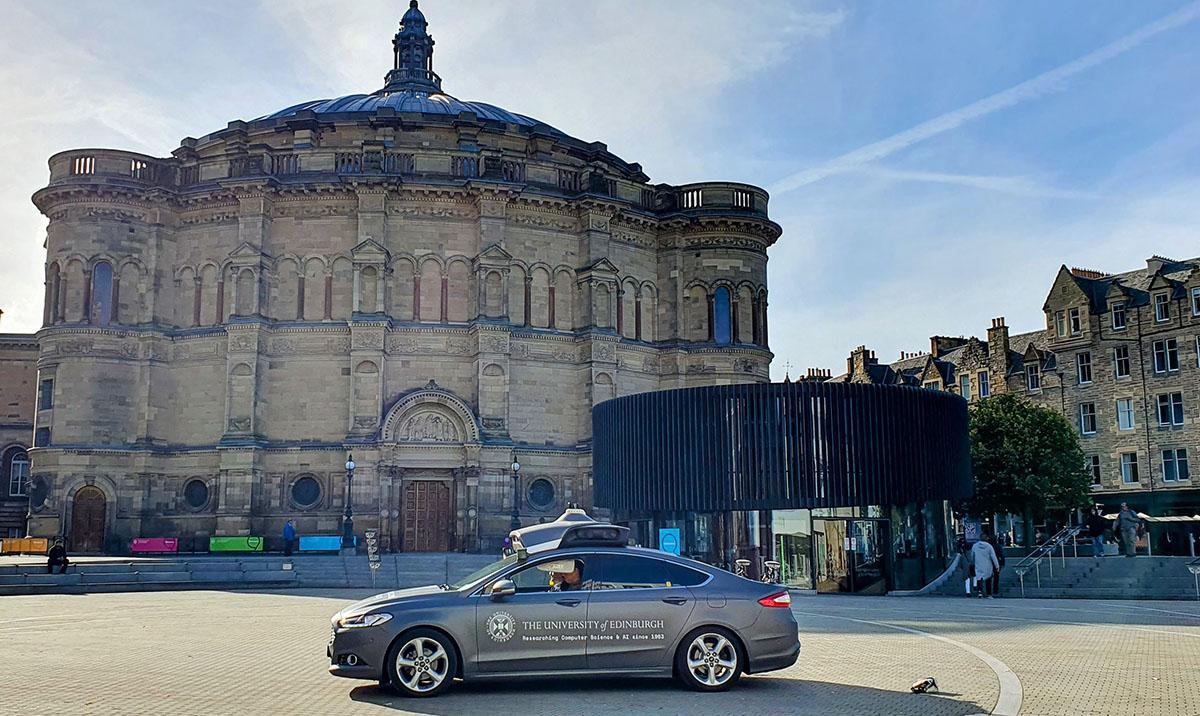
(412, 47)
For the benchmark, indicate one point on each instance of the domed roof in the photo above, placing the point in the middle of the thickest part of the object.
(407, 100)
(411, 86)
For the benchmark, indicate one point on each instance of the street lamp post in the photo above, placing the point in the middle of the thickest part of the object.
(515, 523)
(348, 515)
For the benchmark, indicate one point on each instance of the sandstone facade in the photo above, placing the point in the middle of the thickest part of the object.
(18, 386)
(1119, 357)
(439, 287)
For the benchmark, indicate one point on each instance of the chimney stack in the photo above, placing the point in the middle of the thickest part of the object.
(940, 345)
(860, 358)
(998, 361)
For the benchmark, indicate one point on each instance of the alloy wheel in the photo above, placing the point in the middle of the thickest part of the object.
(422, 664)
(712, 659)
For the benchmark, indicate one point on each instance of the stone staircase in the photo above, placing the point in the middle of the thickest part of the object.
(12, 514)
(245, 572)
(1108, 578)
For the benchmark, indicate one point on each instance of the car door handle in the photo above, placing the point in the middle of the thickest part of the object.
(569, 602)
(675, 600)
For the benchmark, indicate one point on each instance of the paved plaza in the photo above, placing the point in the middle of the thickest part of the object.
(264, 653)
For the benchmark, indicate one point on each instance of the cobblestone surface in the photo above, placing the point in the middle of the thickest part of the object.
(263, 653)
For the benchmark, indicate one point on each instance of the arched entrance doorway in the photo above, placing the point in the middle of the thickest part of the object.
(87, 520)
(431, 439)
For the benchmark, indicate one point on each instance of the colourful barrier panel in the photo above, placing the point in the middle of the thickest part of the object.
(320, 543)
(154, 544)
(24, 545)
(235, 544)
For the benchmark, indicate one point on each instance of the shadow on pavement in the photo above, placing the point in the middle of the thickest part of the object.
(759, 694)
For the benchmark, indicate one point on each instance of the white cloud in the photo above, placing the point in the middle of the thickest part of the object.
(1014, 185)
(1046, 83)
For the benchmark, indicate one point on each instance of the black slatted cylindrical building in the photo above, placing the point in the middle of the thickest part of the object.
(778, 472)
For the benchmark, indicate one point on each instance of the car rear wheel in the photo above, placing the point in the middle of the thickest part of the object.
(421, 663)
(709, 659)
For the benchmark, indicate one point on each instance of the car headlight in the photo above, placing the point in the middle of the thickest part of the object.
(364, 620)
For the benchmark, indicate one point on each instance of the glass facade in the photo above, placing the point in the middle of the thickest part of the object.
(865, 550)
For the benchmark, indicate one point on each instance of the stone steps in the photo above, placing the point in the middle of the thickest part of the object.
(332, 571)
(1108, 578)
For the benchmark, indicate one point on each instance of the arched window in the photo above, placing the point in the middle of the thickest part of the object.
(722, 329)
(52, 287)
(102, 294)
(16, 462)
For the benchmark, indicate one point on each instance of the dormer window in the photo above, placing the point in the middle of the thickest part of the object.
(1162, 307)
(1075, 321)
(1060, 324)
(1118, 316)
(1033, 378)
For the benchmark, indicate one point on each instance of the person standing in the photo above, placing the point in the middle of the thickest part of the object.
(1096, 527)
(1127, 525)
(983, 558)
(994, 587)
(289, 537)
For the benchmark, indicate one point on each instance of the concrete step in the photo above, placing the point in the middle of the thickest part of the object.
(51, 579)
(107, 577)
(101, 567)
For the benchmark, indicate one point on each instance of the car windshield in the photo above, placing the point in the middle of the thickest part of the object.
(475, 576)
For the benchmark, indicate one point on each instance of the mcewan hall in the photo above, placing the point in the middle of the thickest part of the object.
(440, 288)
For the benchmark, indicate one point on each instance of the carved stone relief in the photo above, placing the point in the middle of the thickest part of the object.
(429, 427)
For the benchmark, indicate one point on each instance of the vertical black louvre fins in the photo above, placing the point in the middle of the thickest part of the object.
(780, 445)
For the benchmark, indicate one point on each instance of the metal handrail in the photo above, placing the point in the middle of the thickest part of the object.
(1194, 568)
(1033, 560)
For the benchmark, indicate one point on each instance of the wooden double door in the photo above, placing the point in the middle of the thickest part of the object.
(428, 515)
(88, 514)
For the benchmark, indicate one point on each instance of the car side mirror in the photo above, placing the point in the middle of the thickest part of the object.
(502, 588)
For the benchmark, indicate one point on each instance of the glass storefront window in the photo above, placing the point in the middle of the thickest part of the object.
(793, 546)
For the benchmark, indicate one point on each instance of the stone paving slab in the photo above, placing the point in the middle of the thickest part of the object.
(263, 653)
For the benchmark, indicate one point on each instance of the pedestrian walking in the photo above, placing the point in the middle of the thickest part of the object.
(289, 537)
(1127, 525)
(56, 556)
(960, 546)
(994, 588)
(983, 558)
(1096, 527)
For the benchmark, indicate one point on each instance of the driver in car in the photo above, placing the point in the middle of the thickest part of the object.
(566, 576)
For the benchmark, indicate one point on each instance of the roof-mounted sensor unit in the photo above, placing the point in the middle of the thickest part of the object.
(573, 529)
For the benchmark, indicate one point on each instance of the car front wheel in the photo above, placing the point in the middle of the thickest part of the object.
(421, 663)
(708, 659)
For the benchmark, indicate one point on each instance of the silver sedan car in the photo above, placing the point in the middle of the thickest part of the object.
(580, 604)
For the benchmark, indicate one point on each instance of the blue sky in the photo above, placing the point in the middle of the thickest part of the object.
(932, 164)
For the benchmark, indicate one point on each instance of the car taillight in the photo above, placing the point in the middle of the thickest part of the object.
(780, 599)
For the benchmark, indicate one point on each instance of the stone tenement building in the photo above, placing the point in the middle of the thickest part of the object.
(1119, 357)
(18, 376)
(440, 287)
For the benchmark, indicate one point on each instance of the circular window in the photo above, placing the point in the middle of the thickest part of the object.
(306, 492)
(39, 490)
(195, 494)
(541, 493)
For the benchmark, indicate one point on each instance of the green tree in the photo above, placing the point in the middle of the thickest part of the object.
(1026, 459)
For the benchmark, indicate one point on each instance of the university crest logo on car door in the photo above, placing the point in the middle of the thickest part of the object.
(501, 626)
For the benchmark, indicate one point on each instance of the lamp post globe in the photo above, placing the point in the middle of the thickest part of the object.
(515, 522)
(348, 515)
